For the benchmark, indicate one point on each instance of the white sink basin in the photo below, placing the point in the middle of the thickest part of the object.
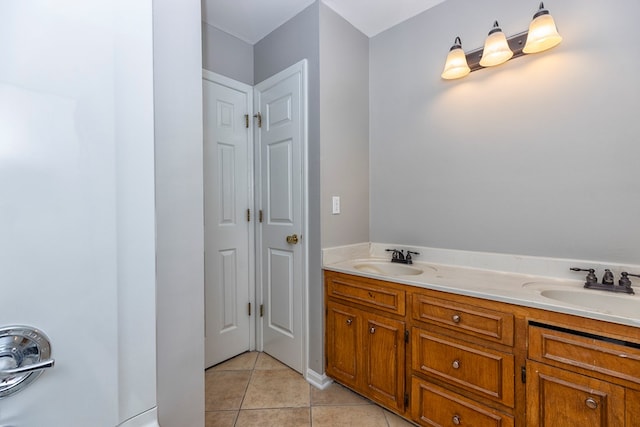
(616, 304)
(386, 268)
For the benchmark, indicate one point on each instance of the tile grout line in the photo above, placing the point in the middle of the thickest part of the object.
(244, 395)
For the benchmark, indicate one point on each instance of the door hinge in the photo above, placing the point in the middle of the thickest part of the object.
(246, 121)
(406, 400)
(249, 309)
(406, 336)
(260, 215)
(261, 310)
(259, 117)
(248, 215)
(523, 374)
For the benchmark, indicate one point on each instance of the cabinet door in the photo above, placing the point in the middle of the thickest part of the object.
(556, 397)
(633, 407)
(384, 360)
(343, 326)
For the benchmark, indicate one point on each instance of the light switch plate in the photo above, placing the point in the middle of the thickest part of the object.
(335, 209)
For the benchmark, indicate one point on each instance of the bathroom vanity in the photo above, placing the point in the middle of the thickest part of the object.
(450, 346)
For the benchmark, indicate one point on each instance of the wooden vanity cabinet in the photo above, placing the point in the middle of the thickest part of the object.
(442, 359)
(365, 342)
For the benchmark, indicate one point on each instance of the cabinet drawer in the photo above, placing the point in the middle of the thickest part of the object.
(365, 292)
(486, 372)
(480, 322)
(434, 406)
(584, 351)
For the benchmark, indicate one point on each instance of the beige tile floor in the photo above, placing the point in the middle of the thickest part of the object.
(253, 389)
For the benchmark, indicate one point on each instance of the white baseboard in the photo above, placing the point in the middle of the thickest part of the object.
(320, 381)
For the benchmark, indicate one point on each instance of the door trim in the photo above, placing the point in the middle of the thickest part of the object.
(299, 67)
(248, 89)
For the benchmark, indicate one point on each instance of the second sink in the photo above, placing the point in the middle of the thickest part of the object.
(622, 305)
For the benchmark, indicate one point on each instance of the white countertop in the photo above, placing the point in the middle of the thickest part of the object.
(510, 287)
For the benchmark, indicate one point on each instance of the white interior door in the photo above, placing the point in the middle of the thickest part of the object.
(77, 248)
(228, 183)
(281, 101)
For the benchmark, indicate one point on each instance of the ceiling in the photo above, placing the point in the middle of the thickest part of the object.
(251, 20)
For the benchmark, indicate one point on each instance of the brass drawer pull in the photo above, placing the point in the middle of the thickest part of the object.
(456, 364)
(349, 321)
(457, 420)
(591, 403)
(456, 318)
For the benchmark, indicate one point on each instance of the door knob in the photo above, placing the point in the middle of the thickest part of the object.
(24, 353)
(293, 239)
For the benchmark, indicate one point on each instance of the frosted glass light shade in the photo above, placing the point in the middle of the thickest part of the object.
(496, 49)
(543, 33)
(456, 65)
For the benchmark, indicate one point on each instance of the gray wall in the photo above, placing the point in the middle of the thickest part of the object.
(225, 54)
(538, 156)
(295, 40)
(344, 129)
(177, 84)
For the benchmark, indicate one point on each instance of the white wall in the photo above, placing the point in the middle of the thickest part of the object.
(179, 212)
(225, 54)
(344, 129)
(538, 156)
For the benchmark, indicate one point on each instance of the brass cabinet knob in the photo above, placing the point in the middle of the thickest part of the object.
(455, 318)
(349, 321)
(293, 239)
(457, 420)
(456, 364)
(372, 330)
(591, 403)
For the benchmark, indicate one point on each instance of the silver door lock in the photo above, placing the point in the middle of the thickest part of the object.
(24, 353)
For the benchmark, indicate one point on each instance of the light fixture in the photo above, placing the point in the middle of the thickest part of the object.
(543, 33)
(498, 49)
(456, 65)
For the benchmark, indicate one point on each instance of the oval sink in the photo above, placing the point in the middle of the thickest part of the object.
(621, 305)
(388, 268)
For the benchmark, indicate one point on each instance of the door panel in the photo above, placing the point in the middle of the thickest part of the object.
(281, 292)
(279, 183)
(281, 101)
(227, 186)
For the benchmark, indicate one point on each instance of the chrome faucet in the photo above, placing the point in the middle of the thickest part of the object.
(399, 256)
(608, 282)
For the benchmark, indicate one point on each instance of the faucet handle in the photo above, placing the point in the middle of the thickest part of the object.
(624, 279)
(591, 277)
